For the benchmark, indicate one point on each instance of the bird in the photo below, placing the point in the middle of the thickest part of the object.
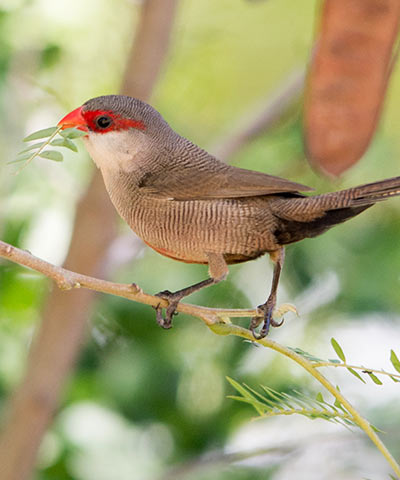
(189, 206)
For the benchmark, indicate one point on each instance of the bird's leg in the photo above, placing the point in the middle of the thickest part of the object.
(174, 298)
(267, 308)
(218, 270)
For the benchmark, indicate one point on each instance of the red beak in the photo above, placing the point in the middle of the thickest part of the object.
(74, 119)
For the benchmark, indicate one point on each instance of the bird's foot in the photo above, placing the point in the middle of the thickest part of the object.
(268, 315)
(170, 311)
(265, 311)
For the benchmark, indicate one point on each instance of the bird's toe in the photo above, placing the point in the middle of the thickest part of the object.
(173, 301)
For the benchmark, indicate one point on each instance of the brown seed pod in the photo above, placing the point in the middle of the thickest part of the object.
(347, 80)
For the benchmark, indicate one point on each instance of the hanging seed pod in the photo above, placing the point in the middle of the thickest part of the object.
(347, 80)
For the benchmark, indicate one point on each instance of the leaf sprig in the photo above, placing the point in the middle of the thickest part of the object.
(39, 149)
(273, 403)
(370, 372)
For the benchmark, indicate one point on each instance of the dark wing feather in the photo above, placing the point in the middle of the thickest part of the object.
(213, 180)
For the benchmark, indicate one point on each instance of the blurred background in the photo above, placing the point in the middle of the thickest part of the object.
(144, 403)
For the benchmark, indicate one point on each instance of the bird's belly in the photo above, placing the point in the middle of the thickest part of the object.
(188, 230)
(182, 257)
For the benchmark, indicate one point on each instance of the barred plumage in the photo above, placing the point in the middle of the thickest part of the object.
(190, 206)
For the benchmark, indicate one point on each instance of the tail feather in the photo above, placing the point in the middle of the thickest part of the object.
(308, 208)
(374, 192)
(310, 216)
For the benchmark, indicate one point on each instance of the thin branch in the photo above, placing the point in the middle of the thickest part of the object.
(210, 316)
(263, 119)
(355, 367)
(67, 280)
(231, 329)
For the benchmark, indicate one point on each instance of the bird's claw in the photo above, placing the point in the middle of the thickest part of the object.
(170, 311)
(266, 311)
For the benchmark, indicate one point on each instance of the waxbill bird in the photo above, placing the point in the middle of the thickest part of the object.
(188, 205)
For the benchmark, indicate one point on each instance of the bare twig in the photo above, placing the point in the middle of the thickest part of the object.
(261, 120)
(62, 331)
(67, 280)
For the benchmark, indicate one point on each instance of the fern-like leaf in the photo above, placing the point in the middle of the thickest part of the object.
(272, 403)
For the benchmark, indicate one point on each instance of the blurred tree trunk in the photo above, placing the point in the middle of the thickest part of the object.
(62, 332)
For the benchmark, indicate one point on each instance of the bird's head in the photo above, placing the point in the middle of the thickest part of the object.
(120, 129)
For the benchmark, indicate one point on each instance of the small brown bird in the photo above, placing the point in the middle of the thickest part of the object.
(187, 205)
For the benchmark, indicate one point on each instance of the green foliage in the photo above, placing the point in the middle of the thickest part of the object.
(338, 350)
(44, 133)
(395, 361)
(371, 373)
(38, 149)
(273, 403)
(52, 155)
(72, 133)
(65, 142)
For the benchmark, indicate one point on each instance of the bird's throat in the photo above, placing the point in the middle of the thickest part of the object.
(117, 151)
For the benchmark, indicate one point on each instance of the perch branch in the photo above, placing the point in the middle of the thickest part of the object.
(214, 318)
(67, 280)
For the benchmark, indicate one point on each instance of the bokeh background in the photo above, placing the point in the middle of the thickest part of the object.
(144, 403)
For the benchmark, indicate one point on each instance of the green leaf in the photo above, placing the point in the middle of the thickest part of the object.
(20, 158)
(306, 355)
(395, 361)
(337, 403)
(254, 403)
(356, 374)
(246, 395)
(72, 133)
(52, 155)
(32, 147)
(236, 385)
(396, 380)
(266, 400)
(338, 349)
(374, 378)
(376, 429)
(334, 360)
(40, 134)
(320, 398)
(64, 142)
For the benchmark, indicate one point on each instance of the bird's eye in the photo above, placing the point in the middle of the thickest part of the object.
(103, 121)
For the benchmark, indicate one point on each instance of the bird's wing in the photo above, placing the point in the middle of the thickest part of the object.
(202, 182)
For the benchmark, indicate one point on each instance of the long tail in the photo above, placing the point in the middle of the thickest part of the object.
(310, 216)
(367, 194)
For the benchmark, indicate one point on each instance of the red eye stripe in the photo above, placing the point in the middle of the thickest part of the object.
(119, 122)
